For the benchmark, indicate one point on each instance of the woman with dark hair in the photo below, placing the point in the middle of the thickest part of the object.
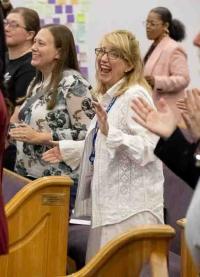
(165, 63)
(54, 108)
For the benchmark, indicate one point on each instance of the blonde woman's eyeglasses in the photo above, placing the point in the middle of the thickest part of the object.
(111, 54)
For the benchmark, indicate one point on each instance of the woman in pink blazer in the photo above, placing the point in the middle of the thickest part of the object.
(165, 64)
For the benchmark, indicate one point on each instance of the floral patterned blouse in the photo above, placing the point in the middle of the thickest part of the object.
(68, 120)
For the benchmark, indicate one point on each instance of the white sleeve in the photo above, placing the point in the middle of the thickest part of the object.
(138, 142)
(71, 152)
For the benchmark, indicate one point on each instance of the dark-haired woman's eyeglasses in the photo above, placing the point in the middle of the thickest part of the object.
(12, 24)
(151, 23)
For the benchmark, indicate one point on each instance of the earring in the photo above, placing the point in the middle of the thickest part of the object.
(166, 31)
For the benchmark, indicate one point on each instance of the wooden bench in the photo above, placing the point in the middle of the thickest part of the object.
(187, 266)
(12, 183)
(128, 253)
(38, 229)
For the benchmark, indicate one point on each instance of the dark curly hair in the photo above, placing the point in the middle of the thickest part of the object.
(176, 27)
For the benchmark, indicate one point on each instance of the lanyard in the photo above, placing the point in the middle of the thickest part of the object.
(96, 129)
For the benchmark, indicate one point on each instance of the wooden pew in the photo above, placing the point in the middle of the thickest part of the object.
(187, 266)
(128, 253)
(38, 229)
(12, 183)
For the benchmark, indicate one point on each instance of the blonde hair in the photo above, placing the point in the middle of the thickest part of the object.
(129, 49)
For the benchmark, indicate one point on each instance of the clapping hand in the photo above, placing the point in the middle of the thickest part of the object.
(181, 104)
(25, 133)
(192, 116)
(161, 122)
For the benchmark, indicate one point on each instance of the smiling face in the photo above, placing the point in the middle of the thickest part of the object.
(155, 27)
(44, 52)
(110, 65)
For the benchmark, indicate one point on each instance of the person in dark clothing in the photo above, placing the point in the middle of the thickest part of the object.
(21, 26)
(19, 74)
(184, 162)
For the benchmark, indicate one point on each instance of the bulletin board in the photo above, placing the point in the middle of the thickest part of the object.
(73, 13)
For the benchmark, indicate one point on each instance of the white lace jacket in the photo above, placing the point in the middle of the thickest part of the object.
(127, 176)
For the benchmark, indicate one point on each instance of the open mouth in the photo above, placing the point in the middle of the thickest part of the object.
(105, 69)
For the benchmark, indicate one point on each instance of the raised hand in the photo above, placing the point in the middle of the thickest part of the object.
(181, 104)
(101, 118)
(161, 122)
(192, 117)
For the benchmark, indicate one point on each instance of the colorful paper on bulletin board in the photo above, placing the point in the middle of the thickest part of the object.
(56, 20)
(61, 2)
(74, 2)
(81, 33)
(58, 9)
(70, 18)
(82, 57)
(80, 17)
(44, 10)
(84, 71)
(73, 13)
(85, 5)
(69, 9)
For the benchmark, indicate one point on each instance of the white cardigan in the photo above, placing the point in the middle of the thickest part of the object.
(126, 177)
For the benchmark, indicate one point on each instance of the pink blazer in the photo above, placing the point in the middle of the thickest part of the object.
(168, 65)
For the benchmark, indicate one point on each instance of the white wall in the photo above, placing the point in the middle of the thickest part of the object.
(107, 15)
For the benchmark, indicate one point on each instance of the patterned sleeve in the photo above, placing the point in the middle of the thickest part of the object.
(78, 108)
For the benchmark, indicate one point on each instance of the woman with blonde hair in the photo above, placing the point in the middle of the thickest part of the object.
(119, 171)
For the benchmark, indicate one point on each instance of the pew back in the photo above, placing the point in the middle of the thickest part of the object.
(127, 254)
(12, 183)
(38, 227)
